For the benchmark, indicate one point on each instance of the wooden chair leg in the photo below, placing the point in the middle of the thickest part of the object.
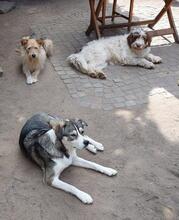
(130, 14)
(114, 10)
(172, 24)
(103, 14)
(93, 24)
(161, 13)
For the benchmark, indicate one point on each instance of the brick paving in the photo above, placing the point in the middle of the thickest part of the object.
(125, 86)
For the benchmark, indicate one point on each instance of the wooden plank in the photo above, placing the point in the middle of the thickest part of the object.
(121, 25)
(160, 32)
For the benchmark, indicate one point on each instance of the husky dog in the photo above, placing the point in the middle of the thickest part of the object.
(52, 142)
(34, 53)
(128, 49)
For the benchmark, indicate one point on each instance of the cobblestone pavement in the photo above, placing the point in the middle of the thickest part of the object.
(125, 86)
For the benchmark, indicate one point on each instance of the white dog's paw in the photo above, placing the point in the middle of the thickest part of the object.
(99, 146)
(157, 60)
(29, 80)
(110, 172)
(149, 65)
(85, 198)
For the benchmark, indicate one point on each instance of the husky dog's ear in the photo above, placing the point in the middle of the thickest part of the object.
(55, 122)
(83, 122)
(80, 122)
(40, 42)
(24, 42)
(57, 125)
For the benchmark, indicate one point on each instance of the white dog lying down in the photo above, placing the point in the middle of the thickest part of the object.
(34, 53)
(129, 49)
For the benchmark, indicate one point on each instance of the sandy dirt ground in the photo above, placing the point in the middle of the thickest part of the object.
(142, 142)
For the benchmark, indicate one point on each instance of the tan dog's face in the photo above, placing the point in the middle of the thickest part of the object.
(32, 47)
(138, 40)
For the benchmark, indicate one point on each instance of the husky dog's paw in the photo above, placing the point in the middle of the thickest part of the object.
(99, 146)
(29, 80)
(110, 172)
(91, 148)
(85, 198)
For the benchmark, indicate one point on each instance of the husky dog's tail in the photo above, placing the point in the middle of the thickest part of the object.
(48, 46)
(81, 65)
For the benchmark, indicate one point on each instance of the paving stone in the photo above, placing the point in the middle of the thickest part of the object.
(98, 89)
(130, 103)
(87, 85)
(119, 99)
(119, 104)
(67, 81)
(81, 94)
(60, 72)
(99, 94)
(108, 101)
(64, 76)
(107, 107)
(109, 95)
(117, 80)
(97, 85)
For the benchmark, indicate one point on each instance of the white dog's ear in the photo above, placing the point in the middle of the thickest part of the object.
(130, 39)
(148, 40)
(40, 42)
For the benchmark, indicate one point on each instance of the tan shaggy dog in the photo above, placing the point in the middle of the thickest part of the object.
(34, 53)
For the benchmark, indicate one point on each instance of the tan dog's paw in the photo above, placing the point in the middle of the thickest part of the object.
(34, 80)
(29, 80)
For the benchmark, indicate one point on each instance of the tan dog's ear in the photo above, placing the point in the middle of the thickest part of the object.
(24, 42)
(40, 42)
